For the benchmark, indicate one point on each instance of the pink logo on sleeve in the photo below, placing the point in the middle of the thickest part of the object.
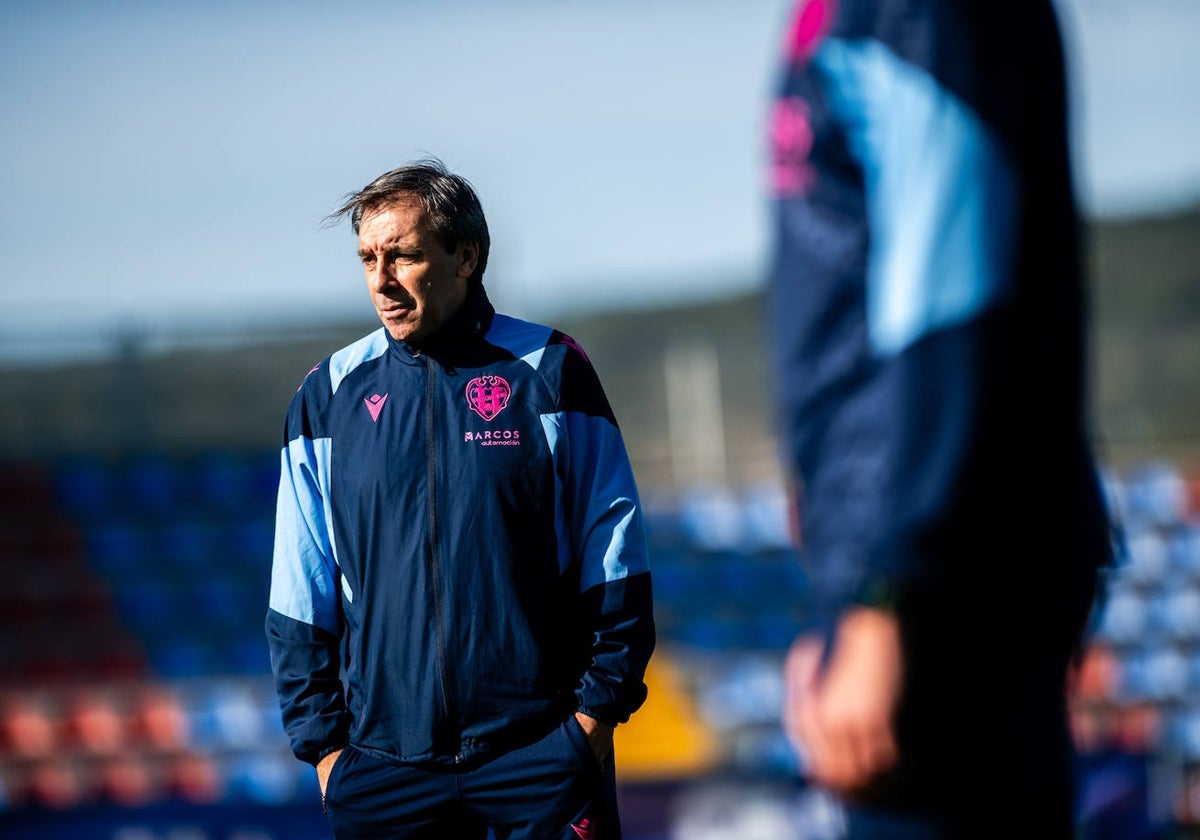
(315, 368)
(584, 829)
(574, 345)
(809, 28)
(488, 395)
(374, 404)
(791, 142)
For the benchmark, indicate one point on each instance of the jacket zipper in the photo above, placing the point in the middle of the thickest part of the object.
(434, 538)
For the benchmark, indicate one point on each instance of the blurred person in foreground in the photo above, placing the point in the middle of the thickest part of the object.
(460, 601)
(927, 307)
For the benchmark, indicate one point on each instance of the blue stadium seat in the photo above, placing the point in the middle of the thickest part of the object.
(224, 482)
(215, 600)
(248, 656)
(180, 656)
(775, 630)
(1166, 674)
(717, 632)
(154, 485)
(252, 538)
(1124, 617)
(742, 691)
(765, 751)
(1148, 556)
(1185, 551)
(1186, 734)
(86, 488)
(118, 549)
(1182, 609)
(149, 606)
(264, 778)
(189, 543)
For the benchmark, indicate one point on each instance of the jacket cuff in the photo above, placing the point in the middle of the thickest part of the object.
(877, 592)
(603, 716)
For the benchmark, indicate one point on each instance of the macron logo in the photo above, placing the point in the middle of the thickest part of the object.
(374, 404)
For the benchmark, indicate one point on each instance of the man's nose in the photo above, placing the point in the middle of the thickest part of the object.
(380, 276)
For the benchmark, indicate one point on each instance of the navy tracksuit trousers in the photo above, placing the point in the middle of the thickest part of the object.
(551, 789)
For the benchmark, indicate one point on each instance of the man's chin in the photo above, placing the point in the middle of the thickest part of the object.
(401, 329)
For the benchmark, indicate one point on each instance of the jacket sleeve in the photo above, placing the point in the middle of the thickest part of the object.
(904, 433)
(607, 540)
(303, 622)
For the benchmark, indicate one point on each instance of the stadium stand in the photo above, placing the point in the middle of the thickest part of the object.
(134, 671)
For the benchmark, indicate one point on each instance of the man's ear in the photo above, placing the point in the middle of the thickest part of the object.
(468, 258)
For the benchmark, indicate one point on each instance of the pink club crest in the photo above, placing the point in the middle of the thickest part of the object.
(488, 395)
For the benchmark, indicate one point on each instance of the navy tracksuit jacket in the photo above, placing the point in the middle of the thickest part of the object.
(927, 297)
(459, 560)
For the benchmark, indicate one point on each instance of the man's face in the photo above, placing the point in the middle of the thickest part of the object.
(414, 282)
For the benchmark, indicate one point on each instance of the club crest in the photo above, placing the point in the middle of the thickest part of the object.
(488, 395)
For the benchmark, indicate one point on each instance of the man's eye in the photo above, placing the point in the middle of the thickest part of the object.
(368, 260)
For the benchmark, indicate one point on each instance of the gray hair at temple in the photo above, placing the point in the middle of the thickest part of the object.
(452, 208)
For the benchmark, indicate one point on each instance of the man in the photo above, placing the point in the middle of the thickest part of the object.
(928, 318)
(460, 600)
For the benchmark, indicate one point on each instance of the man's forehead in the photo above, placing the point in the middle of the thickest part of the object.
(405, 219)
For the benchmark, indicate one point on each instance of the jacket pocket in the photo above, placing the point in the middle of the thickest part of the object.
(335, 773)
(579, 741)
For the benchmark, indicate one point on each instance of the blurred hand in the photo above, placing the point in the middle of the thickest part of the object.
(324, 767)
(599, 735)
(841, 717)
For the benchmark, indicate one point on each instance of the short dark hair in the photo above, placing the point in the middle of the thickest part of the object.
(452, 208)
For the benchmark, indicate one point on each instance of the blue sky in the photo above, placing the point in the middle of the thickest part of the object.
(165, 166)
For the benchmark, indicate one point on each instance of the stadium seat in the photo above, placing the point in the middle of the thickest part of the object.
(263, 778)
(99, 723)
(150, 607)
(195, 779)
(129, 780)
(59, 784)
(765, 750)
(224, 482)
(1166, 675)
(87, 489)
(154, 485)
(252, 539)
(30, 727)
(1123, 620)
(159, 720)
(1148, 555)
(119, 549)
(182, 655)
(1156, 495)
(1183, 614)
(189, 544)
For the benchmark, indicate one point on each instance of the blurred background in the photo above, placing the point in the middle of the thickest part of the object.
(165, 283)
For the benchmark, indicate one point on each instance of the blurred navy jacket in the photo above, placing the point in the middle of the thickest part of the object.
(927, 299)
